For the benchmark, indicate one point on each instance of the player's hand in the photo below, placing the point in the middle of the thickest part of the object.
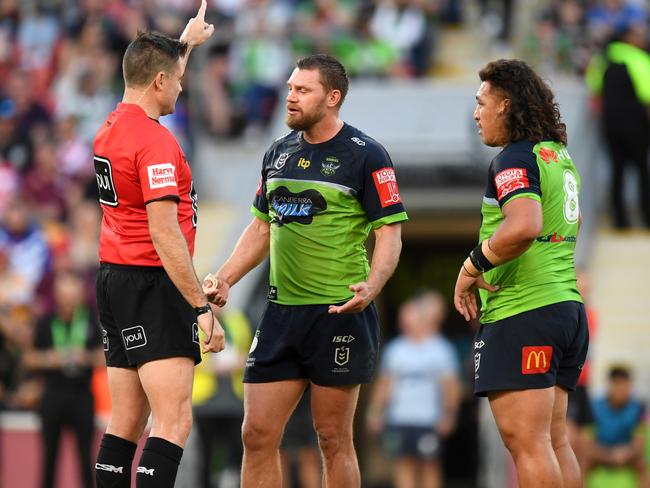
(215, 338)
(363, 295)
(216, 289)
(465, 293)
(197, 31)
(446, 426)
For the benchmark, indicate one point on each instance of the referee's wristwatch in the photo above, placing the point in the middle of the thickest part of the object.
(202, 310)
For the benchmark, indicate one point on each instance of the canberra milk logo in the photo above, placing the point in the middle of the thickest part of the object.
(134, 337)
(161, 175)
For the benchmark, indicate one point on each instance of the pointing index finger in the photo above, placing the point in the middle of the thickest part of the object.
(201, 13)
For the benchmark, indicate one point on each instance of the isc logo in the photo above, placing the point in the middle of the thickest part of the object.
(345, 339)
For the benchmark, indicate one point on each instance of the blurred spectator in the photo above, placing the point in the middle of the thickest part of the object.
(404, 24)
(322, 22)
(66, 348)
(31, 116)
(497, 18)
(14, 150)
(73, 153)
(222, 116)
(29, 255)
(619, 428)
(606, 18)
(261, 56)
(44, 186)
(301, 465)
(621, 77)
(416, 396)
(217, 399)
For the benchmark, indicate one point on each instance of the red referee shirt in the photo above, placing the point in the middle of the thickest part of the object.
(138, 161)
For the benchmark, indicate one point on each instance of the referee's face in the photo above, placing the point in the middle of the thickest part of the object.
(306, 99)
(490, 115)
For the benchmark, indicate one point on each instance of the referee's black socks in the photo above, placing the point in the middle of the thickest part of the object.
(158, 464)
(113, 467)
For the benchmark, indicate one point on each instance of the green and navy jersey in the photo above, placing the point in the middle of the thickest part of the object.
(322, 200)
(545, 273)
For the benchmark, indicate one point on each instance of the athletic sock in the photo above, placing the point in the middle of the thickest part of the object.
(158, 465)
(113, 467)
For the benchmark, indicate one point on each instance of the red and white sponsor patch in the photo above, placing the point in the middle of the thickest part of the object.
(510, 180)
(536, 359)
(161, 175)
(386, 185)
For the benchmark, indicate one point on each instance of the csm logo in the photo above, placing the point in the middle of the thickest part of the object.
(358, 141)
(110, 468)
(345, 338)
(134, 337)
(143, 470)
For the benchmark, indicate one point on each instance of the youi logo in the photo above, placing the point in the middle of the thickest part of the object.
(134, 337)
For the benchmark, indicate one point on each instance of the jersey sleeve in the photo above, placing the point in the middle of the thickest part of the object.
(260, 207)
(380, 197)
(515, 174)
(157, 166)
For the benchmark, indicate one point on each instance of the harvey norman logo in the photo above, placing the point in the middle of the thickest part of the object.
(161, 175)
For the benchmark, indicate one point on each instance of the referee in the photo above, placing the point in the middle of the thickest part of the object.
(151, 304)
(533, 338)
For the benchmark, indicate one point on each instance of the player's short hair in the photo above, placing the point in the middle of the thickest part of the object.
(148, 54)
(533, 114)
(332, 73)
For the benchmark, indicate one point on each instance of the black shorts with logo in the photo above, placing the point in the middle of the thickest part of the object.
(540, 348)
(305, 341)
(144, 316)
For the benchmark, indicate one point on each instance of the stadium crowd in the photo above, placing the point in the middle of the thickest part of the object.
(60, 75)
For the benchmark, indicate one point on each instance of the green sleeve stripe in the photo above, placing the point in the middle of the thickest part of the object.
(389, 219)
(531, 196)
(260, 215)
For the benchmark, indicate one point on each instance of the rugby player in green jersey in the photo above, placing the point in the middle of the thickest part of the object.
(323, 187)
(533, 337)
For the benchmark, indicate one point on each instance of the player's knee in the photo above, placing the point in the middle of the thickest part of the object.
(331, 441)
(519, 441)
(259, 436)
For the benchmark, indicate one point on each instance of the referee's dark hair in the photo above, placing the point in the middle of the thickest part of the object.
(332, 73)
(533, 114)
(149, 54)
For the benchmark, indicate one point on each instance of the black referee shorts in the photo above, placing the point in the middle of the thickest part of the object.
(305, 341)
(540, 348)
(143, 316)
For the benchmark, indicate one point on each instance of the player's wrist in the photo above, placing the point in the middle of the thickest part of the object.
(481, 259)
(470, 269)
(202, 309)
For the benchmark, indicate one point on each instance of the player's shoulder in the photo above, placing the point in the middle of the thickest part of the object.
(283, 146)
(361, 143)
(516, 154)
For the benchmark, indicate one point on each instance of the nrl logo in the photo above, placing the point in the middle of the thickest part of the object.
(477, 361)
(282, 160)
(330, 165)
(342, 355)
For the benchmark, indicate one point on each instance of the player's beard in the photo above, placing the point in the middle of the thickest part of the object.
(305, 121)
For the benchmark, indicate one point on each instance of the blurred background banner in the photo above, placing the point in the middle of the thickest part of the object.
(413, 66)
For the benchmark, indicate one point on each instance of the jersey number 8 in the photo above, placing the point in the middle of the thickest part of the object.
(571, 204)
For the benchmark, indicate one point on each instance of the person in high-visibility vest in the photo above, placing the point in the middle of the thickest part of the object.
(620, 77)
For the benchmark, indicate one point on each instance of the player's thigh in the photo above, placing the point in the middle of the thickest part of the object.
(130, 408)
(167, 384)
(333, 408)
(267, 408)
(523, 416)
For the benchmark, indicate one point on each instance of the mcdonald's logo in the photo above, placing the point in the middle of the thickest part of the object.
(536, 359)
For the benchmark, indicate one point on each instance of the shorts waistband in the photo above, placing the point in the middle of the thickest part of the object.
(128, 267)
